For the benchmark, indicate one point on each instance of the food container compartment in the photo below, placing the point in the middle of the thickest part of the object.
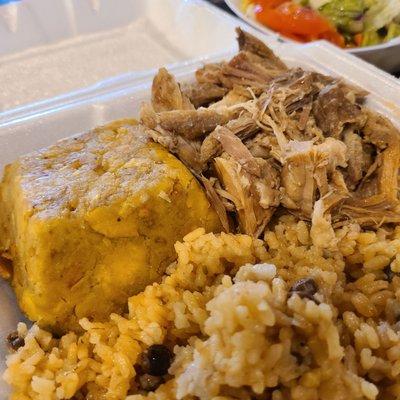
(36, 125)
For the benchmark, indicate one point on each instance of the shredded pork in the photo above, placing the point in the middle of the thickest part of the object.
(263, 138)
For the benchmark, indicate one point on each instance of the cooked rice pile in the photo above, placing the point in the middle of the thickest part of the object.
(237, 327)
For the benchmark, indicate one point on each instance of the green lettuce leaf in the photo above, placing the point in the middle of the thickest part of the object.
(345, 14)
(369, 3)
(371, 38)
(317, 4)
(393, 31)
(381, 13)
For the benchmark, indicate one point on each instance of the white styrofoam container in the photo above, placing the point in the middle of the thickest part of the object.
(50, 47)
(39, 124)
(384, 55)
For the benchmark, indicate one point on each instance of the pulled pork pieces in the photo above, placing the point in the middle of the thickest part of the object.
(261, 137)
(308, 169)
(251, 184)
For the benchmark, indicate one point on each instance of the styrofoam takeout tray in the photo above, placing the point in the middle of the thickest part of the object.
(35, 125)
(51, 47)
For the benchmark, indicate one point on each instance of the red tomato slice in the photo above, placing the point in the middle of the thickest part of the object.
(358, 38)
(297, 38)
(333, 37)
(299, 23)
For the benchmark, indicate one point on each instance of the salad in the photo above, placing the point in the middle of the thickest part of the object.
(346, 23)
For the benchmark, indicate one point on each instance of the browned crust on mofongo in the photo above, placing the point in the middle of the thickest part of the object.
(280, 138)
(5, 266)
(92, 220)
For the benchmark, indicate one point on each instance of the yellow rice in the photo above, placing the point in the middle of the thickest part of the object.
(224, 308)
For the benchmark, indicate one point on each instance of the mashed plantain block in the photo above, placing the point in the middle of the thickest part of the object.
(92, 220)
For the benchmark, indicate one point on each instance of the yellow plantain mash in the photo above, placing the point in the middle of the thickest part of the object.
(92, 220)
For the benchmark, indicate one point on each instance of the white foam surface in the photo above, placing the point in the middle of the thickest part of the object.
(59, 46)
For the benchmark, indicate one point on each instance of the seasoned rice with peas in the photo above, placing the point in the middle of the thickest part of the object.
(245, 318)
